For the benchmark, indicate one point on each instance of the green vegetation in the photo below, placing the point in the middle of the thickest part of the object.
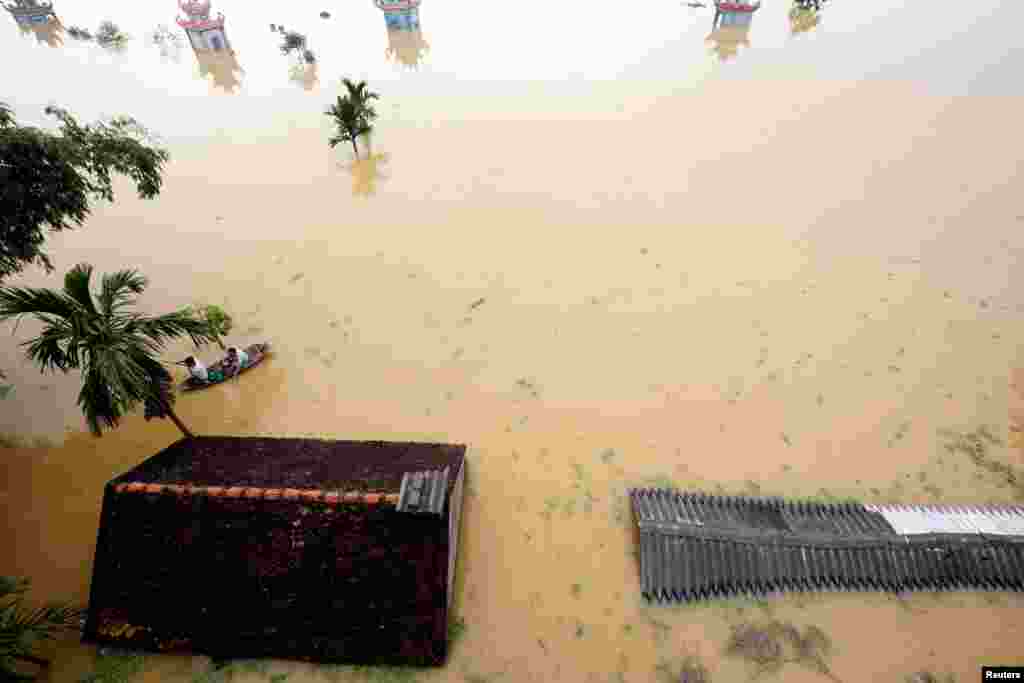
(22, 628)
(110, 36)
(115, 668)
(975, 445)
(293, 42)
(576, 590)
(693, 671)
(353, 114)
(456, 629)
(217, 320)
(771, 645)
(929, 677)
(48, 179)
(113, 346)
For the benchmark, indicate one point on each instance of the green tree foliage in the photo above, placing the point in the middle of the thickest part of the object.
(23, 628)
(110, 35)
(353, 114)
(293, 42)
(114, 347)
(218, 321)
(48, 179)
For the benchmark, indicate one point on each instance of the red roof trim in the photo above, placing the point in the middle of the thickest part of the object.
(258, 493)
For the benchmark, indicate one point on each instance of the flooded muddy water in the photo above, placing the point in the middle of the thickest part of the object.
(600, 255)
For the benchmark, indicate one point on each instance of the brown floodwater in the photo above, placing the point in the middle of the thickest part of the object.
(795, 272)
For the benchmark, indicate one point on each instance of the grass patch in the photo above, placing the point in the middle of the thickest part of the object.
(658, 481)
(550, 506)
(380, 674)
(693, 671)
(976, 445)
(771, 645)
(114, 668)
(929, 677)
(456, 629)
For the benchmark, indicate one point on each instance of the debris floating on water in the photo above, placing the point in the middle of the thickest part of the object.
(477, 304)
(325, 15)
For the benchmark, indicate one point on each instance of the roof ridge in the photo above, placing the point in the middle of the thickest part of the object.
(330, 496)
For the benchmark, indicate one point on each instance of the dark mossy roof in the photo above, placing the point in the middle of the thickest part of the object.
(329, 551)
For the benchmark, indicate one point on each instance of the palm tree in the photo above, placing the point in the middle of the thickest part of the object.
(115, 348)
(21, 628)
(353, 114)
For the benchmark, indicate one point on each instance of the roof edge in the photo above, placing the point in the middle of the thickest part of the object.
(262, 493)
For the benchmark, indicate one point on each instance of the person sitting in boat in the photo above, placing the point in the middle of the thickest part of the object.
(236, 361)
(196, 370)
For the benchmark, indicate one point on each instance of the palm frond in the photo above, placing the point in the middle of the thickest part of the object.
(162, 329)
(76, 287)
(118, 289)
(53, 349)
(16, 301)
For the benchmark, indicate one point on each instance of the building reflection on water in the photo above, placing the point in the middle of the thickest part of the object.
(210, 44)
(730, 28)
(37, 17)
(406, 45)
(804, 15)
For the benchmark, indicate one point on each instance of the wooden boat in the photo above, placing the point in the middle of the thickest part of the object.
(256, 352)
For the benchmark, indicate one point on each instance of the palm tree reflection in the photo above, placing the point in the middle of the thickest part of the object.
(368, 171)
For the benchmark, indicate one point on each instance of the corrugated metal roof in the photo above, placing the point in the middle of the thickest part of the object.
(694, 546)
(953, 519)
(423, 492)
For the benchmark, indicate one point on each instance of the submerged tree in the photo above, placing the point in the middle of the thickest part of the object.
(293, 42)
(353, 114)
(79, 33)
(168, 42)
(48, 179)
(113, 346)
(111, 36)
(21, 628)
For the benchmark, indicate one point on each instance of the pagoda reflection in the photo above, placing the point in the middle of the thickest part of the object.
(39, 18)
(210, 44)
(730, 28)
(406, 45)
